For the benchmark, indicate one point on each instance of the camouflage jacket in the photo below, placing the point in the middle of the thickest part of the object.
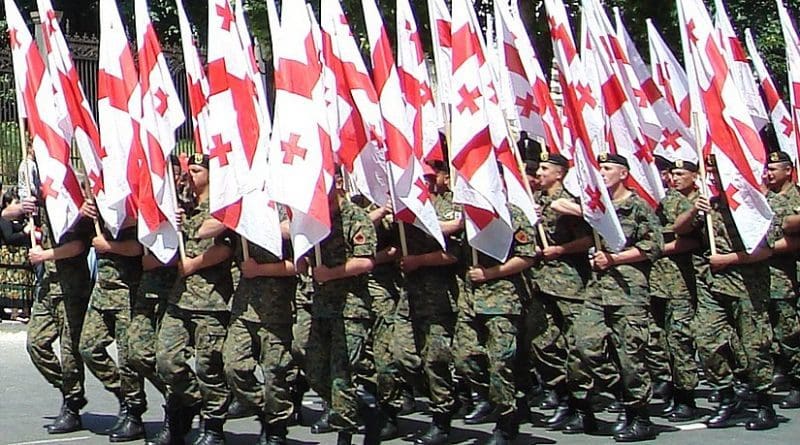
(505, 296)
(384, 280)
(208, 289)
(783, 268)
(352, 236)
(673, 276)
(118, 276)
(433, 290)
(264, 299)
(627, 284)
(68, 277)
(566, 276)
(156, 286)
(739, 281)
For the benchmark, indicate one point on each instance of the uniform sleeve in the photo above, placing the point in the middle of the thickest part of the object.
(362, 236)
(651, 238)
(524, 236)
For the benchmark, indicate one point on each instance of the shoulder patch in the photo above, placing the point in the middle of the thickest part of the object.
(359, 239)
(522, 237)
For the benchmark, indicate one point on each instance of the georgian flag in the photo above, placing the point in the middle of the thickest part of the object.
(669, 75)
(583, 117)
(60, 189)
(197, 84)
(725, 122)
(441, 23)
(237, 137)
(254, 72)
(792, 43)
(779, 114)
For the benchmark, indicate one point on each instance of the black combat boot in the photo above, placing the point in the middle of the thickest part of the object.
(371, 415)
(323, 425)
(68, 420)
(663, 390)
(212, 433)
(274, 434)
(623, 420)
(131, 428)
(714, 396)
(238, 410)
(483, 411)
(550, 400)
(685, 408)
(389, 428)
(563, 410)
(765, 418)
(639, 428)
(582, 420)
(464, 404)
(506, 430)
(344, 438)
(409, 403)
(438, 431)
(792, 400)
(298, 391)
(186, 417)
(729, 407)
(121, 415)
(170, 432)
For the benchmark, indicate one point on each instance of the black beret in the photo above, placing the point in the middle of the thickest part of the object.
(199, 159)
(531, 167)
(612, 158)
(554, 158)
(778, 157)
(685, 165)
(662, 163)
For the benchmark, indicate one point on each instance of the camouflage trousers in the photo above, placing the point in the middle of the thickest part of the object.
(783, 315)
(336, 357)
(549, 322)
(100, 329)
(433, 344)
(404, 348)
(616, 334)
(249, 344)
(301, 333)
(200, 335)
(142, 339)
(731, 333)
(498, 336)
(658, 363)
(470, 354)
(680, 342)
(54, 319)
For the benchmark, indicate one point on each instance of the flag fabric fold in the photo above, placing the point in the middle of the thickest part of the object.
(669, 74)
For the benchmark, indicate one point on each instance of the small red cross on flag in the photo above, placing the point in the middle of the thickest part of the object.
(292, 149)
(220, 150)
(226, 14)
(468, 98)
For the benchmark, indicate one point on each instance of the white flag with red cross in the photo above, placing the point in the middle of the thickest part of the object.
(162, 114)
(119, 110)
(621, 93)
(301, 157)
(237, 139)
(254, 72)
(197, 83)
(725, 121)
(669, 75)
(79, 122)
(674, 138)
(416, 85)
(440, 24)
(792, 44)
(779, 114)
(479, 186)
(411, 199)
(60, 189)
(585, 123)
(357, 136)
(739, 66)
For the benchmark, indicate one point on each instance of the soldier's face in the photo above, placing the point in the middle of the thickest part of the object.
(442, 179)
(548, 174)
(778, 174)
(683, 180)
(199, 176)
(613, 174)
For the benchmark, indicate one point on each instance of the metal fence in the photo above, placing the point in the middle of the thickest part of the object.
(84, 53)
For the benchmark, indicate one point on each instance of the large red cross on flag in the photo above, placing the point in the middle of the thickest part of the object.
(238, 134)
(792, 44)
(726, 122)
(669, 74)
(197, 84)
(61, 191)
(119, 107)
(301, 183)
(162, 114)
(474, 141)
(778, 113)
(357, 132)
(405, 166)
(585, 130)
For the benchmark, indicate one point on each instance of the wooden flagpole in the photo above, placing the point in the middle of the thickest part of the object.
(701, 164)
(171, 185)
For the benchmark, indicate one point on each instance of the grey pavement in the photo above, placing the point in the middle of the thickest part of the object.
(28, 404)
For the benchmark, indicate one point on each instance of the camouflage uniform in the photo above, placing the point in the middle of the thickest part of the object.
(108, 319)
(195, 325)
(673, 282)
(616, 310)
(731, 324)
(783, 311)
(497, 305)
(559, 300)
(58, 311)
(432, 293)
(341, 318)
(261, 333)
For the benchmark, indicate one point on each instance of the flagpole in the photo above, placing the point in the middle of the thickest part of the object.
(23, 143)
(171, 185)
(87, 191)
(400, 224)
(701, 164)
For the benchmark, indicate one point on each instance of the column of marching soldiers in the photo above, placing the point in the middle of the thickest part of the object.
(368, 329)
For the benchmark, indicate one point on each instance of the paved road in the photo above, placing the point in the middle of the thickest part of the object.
(27, 404)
